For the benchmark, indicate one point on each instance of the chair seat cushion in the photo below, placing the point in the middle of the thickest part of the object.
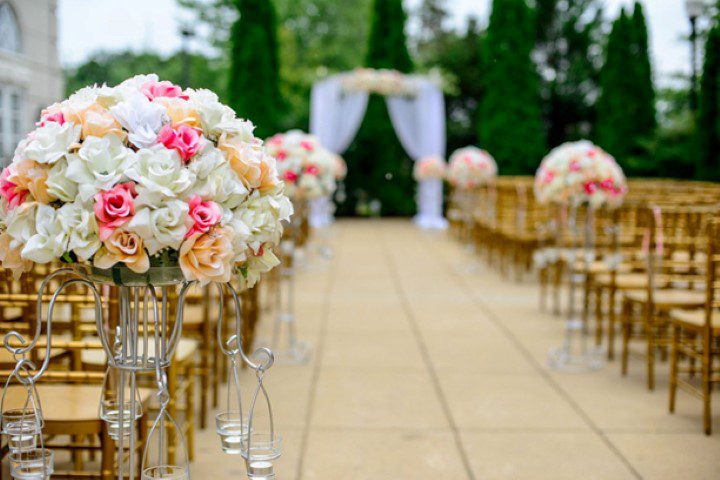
(694, 318)
(670, 298)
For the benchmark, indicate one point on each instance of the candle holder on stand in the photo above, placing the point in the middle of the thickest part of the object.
(465, 199)
(143, 341)
(238, 432)
(575, 353)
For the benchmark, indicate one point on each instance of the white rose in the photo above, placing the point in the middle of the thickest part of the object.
(50, 143)
(59, 185)
(213, 114)
(160, 174)
(255, 266)
(81, 225)
(50, 240)
(141, 117)
(216, 180)
(163, 227)
(21, 222)
(99, 165)
(258, 220)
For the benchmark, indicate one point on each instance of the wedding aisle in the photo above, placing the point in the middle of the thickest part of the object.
(419, 372)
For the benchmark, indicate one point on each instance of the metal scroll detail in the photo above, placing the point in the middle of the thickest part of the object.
(143, 341)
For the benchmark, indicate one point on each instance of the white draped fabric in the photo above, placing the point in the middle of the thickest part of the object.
(418, 120)
(336, 116)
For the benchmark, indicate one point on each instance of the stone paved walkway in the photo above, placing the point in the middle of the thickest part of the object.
(420, 372)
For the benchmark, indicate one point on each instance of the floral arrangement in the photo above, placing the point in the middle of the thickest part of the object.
(471, 167)
(143, 174)
(381, 81)
(341, 168)
(306, 167)
(429, 168)
(580, 172)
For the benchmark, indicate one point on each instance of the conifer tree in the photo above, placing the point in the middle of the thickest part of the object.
(253, 86)
(510, 124)
(708, 123)
(626, 108)
(378, 167)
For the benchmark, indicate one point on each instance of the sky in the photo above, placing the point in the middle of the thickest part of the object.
(87, 26)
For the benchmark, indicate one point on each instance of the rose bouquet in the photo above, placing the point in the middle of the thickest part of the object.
(580, 172)
(143, 174)
(429, 168)
(306, 167)
(471, 167)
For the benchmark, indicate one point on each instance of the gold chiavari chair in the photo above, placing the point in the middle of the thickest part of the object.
(696, 338)
(674, 253)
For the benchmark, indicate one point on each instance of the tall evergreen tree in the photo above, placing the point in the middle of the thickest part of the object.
(378, 168)
(253, 86)
(510, 125)
(626, 108)
(569, 57)
(708, 122)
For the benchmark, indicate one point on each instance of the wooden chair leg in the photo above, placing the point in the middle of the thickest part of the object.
(627, 331)
(598, 315)
(107, 456)
(706, 383)
(674, 367)
(557, 283)
(190, 409)
(650, 333)
(587, 292)
(543, 274)
(612, 324)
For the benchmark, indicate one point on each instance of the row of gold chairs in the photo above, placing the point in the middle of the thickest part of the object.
(649, 268)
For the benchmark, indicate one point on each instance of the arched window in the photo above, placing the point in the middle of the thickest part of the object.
(9, 29)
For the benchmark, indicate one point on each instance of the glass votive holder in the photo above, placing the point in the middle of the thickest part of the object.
(22, 427)
(37, 464)
(232, 431)
(166, 472)
(261, 470)
(260, 447)
(110, 414)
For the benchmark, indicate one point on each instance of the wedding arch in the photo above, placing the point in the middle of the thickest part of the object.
(417, 112)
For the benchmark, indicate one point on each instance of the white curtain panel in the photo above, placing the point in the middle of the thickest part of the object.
(336, 116)
(419, 122)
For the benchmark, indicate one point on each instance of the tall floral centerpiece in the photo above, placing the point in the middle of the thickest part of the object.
(307, 168)
(572, 175)
(143, 185)
(429, 173)
(469, 168)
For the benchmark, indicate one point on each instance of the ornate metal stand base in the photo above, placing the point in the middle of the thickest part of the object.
(574, 354)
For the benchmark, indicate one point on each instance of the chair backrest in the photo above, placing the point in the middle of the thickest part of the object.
(713, 272)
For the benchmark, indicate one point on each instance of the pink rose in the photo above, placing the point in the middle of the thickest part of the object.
(56, 117)
(607, 184)
(276, 140)
(186, 140)
(10, 191)
(590, 188)
(290, 176)
(549, 176)
(113, 208)
(307, 145)
(574, 166)
(281, 155)
(205, 215)
(153, 90)
(312, 170)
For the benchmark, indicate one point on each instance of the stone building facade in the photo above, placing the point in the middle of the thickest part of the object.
(30, 73)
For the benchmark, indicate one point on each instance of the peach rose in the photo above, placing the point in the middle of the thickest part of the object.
(123, 247)
(31, 176)
(180, 112)
(10, 257)
(208, 257)
(268, 174)
(96, 121)
(244, 160)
